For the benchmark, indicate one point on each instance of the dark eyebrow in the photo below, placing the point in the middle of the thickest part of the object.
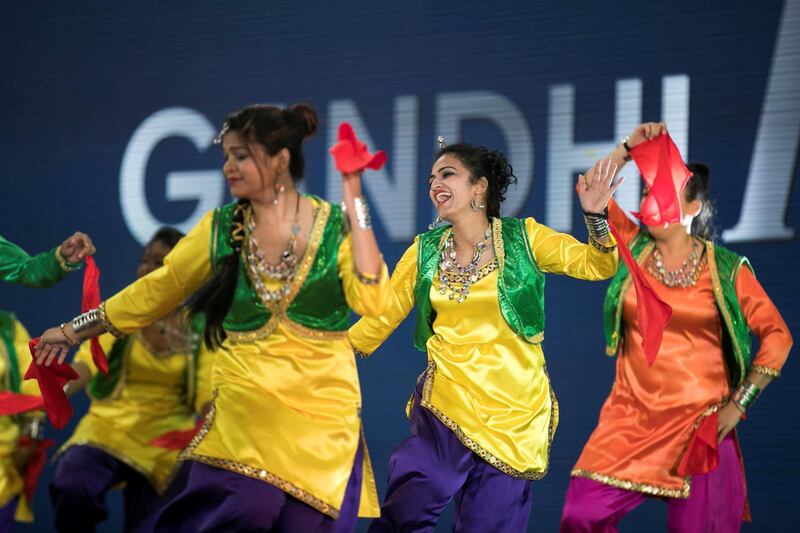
(448, 166)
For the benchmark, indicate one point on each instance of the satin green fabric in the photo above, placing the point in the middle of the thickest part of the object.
(16, 266)
(320, 304)
(724, 266)
(520, 282)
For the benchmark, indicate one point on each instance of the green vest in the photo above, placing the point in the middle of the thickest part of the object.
(316, 299)
(724, 266)
(12, 377)
(103, 386)
(520, 282)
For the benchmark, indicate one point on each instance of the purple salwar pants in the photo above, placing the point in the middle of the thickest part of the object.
(78, 491)
(432, 467)
(7, 513)
(715, 503)
(215, 499)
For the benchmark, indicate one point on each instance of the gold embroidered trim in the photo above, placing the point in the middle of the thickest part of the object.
(646, 488)
(312, 333)
(278, 309)
(366, 279)
(107, 325)
(250, 471)
(238, 337)
(601, 247)
(624, 484)
(368, 474)
(427, 389)
(499, 247)
(720, 299)
(116, 454)
(536, 339)
(767, 371)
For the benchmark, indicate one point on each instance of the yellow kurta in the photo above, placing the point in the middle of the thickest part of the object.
(484, 382)
(11, 482)
(149, 400)
(287, 406)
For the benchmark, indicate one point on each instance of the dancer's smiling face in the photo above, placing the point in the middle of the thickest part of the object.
(451, 186)
(248, 168)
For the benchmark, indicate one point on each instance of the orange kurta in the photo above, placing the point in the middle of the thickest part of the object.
(648, 419)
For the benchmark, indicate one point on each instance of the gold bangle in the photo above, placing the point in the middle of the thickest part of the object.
(107, 325)
(66, 266)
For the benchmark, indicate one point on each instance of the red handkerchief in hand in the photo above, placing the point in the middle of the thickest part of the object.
(351, 155)
(51, 384)
(177, 440)
(33, 470)
(701, 456)
(665, 173)
(14, 404)
(91, 300)
(652, 312)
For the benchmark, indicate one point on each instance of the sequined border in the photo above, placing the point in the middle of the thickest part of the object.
(250, 471)
(644, 488)
(767, 371)
(279, 311)
(427, 390)
(106, 323)
(116, 454)
(720, 299)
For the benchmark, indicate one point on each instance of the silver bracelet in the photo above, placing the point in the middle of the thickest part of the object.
(597, 226)
(745, 395)
(86, 320)
(362, 213)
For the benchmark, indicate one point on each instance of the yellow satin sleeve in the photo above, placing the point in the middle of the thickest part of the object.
(366, 299)
(186, 268)
(368, 333)
(11, 483)
(561, 253)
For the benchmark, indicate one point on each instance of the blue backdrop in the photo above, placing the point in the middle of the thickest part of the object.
(107, 111)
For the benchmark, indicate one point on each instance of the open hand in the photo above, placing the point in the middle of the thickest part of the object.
(594, 196)
(53, 345)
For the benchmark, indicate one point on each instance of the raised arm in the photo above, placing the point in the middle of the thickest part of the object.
(561, 253)
(368, 333)
(367, 295)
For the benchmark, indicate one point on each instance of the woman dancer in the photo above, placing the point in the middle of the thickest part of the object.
(18, 434)
(278, 274)
(483, 414)
(158, 379)
(703, 369)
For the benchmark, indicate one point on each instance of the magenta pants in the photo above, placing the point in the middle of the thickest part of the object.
(715, 503)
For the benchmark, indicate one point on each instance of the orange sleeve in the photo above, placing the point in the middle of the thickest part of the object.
(626, 228)
(765, 322)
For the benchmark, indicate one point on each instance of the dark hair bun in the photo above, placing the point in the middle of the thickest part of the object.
(304, 114)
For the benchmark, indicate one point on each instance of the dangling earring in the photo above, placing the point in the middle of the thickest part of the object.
(436, 222)
(278, 191)
(474, 204)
